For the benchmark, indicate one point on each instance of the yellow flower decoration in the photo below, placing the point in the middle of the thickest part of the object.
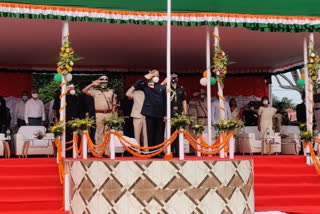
(68, 50)
(65, 55)
(62, 49)
(66, 45)
(69, 69)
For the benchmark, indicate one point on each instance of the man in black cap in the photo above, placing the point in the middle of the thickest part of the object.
(178, 106)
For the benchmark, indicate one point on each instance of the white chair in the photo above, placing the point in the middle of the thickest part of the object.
(290, 145)
(250, 142)
(34, 146)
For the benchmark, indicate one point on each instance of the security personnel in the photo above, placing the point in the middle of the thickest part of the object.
(154, 106)
(178, 106)
(105, 105)
(198, 107)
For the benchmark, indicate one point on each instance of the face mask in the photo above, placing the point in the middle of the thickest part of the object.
(72, 92)
(155, 79)
(35, 96)
(174, 80)
(265, 102)
(103, 86)
(90, 89)
(24, 98)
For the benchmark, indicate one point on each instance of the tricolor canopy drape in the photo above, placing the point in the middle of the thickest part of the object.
(263, 15)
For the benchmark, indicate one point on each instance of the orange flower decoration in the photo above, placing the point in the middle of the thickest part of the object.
(168, 156)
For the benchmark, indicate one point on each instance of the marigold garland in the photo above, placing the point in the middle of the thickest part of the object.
(315, 160)
(313, 67)
(66, 58)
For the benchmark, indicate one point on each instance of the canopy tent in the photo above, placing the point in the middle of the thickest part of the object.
(271, 15)
(29, 44)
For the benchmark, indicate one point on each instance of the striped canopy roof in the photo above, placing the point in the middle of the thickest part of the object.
(267, 15)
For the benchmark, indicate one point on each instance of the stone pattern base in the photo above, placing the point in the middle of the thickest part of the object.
(149, 186)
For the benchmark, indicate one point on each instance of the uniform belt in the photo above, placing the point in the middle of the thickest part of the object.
(203, 117)
(103, 111)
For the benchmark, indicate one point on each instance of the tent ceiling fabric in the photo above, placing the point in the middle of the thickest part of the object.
(270, 15)
(32, 44)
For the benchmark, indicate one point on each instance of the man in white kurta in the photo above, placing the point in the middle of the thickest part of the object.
(215, 111)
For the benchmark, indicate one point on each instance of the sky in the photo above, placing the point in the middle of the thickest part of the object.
(279, 92)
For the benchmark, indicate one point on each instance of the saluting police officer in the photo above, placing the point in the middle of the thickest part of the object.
(105, 105)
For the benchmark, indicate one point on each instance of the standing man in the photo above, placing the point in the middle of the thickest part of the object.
(34, 111)
(301, 110)
(178, 106)
(105, 105)
(139, 120)
(198, 107)
(215, 109)
(154, 106)
(18, 115)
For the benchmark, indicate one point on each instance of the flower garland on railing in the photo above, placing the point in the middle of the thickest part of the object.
(57, 130)
(314, 158)
(198, 127)
(313, 67)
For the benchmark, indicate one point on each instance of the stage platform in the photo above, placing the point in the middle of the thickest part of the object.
(136, 185)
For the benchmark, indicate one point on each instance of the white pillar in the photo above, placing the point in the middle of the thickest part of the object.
(74, 152)
(181, 147)
(199, 153)
(220, 89)
(84, 147)
(168, 127)
(231, 147)
(111, 147)
(65, 33)
(67, 192)
(208, 64)
(270, 93)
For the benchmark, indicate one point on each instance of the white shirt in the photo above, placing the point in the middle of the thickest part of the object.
(34, 108)
(19, 112)
(215, 111)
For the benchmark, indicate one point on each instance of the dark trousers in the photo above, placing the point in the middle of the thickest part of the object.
(175, 144)
(35, 121)
(155, 130)
(21, 123)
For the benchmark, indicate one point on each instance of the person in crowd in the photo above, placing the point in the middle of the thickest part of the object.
(301, 110)
(250, 116)
(18, 115)
(34, 110)
(265, 117)
(236, 112)
(216, 110)
(105, 102)
(154, 106)
(139, 120)
(178, 106)
(125, 109)
(198, 106)
(5, 117)
(72, 111)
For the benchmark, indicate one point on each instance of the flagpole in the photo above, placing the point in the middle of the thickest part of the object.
(168, 131)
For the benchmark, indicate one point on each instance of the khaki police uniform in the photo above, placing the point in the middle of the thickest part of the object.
(198, 109)
(104, 100)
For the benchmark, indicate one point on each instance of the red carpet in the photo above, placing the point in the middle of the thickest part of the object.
(30, 186)
(287, 184)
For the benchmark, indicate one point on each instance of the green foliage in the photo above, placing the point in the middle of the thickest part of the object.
(114, 122)
(305, 134)
(227, 125)
(179, 121)
(80, 125)
(57, 130)
(48, 91)
(285, 102)
(198, 126)
(46, 83)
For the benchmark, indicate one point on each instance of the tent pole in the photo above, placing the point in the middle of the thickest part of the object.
(168, 130)
(208, 64)
(220, 89)
(65, 33)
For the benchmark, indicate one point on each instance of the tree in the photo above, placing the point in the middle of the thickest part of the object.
(292, 85)
(285, 101)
